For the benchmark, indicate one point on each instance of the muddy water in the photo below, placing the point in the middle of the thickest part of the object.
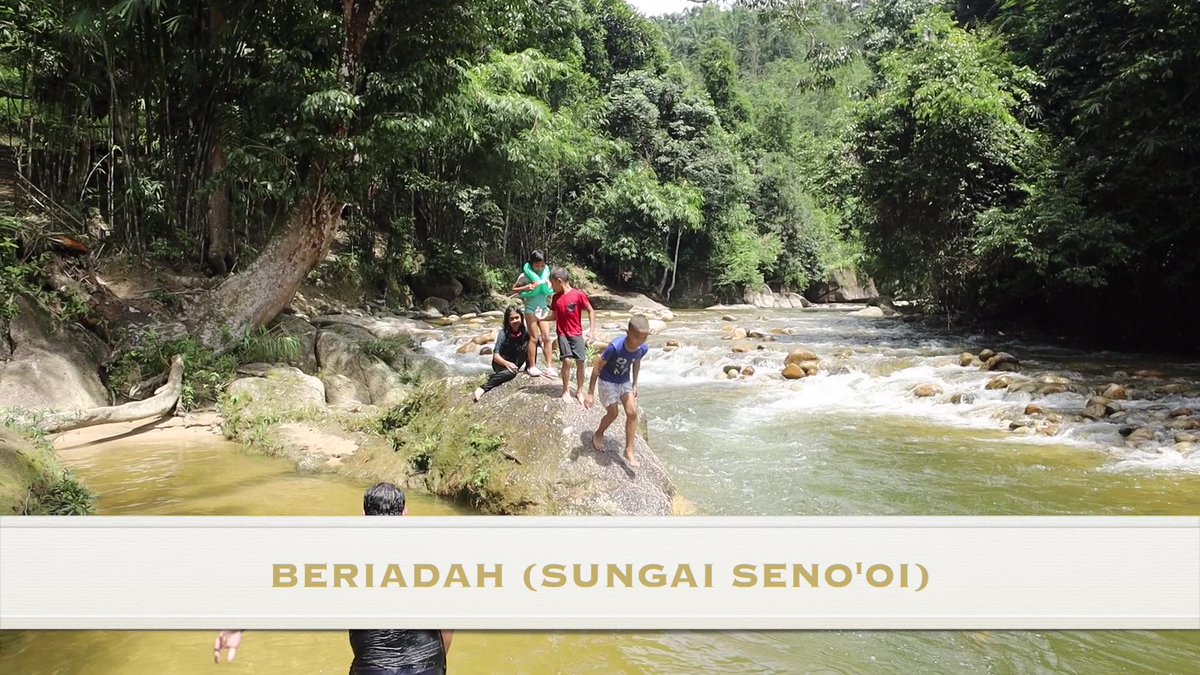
(850, 441)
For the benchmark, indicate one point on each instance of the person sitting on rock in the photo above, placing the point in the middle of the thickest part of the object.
(617, 368)
(534, 287)
(510, 352)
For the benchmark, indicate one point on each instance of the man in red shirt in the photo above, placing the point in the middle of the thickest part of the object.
(567, 306)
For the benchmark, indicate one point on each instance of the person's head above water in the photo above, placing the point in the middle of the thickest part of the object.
(636, 332)
(537, 261)
(384, 499)
(514, 320)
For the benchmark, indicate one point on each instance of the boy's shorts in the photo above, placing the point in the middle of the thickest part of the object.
(611, 392)
(572, 347)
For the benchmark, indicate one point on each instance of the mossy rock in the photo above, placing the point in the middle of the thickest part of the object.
(32, 482)
(520, 450)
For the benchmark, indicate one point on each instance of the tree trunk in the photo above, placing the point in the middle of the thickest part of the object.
(254, 297)
(218, 229)
(675, 267)
(257, 295)
(160, 404)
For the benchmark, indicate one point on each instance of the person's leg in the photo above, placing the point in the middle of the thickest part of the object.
(543, 338)
(500, 375)
(631, 421)
(610, 416)
(579, 373)
(531, 324)
(564, 369)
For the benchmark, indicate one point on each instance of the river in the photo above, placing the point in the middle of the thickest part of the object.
(852, 440)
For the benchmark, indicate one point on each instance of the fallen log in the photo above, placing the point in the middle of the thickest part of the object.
(162, 402)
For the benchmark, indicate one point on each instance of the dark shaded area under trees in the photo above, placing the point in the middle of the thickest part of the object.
(1030, 161)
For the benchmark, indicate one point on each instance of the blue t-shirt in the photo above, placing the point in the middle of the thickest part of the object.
(618, 362)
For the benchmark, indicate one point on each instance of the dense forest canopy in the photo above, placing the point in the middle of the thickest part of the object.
(1032, 160)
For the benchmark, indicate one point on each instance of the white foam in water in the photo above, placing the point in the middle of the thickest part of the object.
(868, 369)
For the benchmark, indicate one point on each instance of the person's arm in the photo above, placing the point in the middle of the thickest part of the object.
(591, 395)
(523, 284)
(591, 317)
(227, 639)
(447, 637)
(501, 338)
(637, 367)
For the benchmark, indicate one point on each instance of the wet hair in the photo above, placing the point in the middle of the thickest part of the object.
(561, 274)
(536, 256)
(508, 312)
(640, 324)
(384, 499)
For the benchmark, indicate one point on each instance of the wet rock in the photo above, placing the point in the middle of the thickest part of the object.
(963, 397)
(1175, 388)
(467, 347)
(738, 333)
(442, 305)
(1025, 431)
(747, 371)
(1049, 389)
(731, 368)
(1148, 374)
(1050, 429)
(793, 371)
(1001, 382)
(728, 317)
(741, 348)
(926, 390)
(732, 374)
(672, 343)
(429, 313)
(966, 359)
(986, 354)
(1115, 391)
(800, 356)
(1033, 409)
(869, 313)
(484, 338)
(670, 348)
(1184, 448)
(1097, 408)
(1186, 437)
(486, 350)
(757, 334)
(1182, 423)
(843, 353)
(1054, 379)
(1003, 361)
(1182, 412)
(810, 368)
(1140, 435)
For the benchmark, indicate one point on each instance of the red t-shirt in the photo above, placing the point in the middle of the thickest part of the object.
(568, 311)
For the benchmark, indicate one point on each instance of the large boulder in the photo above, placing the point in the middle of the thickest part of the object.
(767, 299)
(355, 375)
(49, 368)
(282, 390)
(447, 288)
(634, 303)
(32, 482)
(523, 450)
(842, 286)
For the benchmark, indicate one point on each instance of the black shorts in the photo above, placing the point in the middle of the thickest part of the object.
(573, 347)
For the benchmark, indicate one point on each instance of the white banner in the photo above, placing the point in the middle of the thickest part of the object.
(602, 573)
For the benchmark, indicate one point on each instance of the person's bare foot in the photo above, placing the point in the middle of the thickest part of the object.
(478, 393)
(534, 372)
(598, 442)
(630, 459)
(549, 374)
(567, 396)
(580, 396)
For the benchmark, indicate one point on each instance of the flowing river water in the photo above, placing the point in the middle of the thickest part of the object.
(852, 440)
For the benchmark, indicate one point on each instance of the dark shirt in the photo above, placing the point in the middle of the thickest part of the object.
(512, 347)
(397, 649)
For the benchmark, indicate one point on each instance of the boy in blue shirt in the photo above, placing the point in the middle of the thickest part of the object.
(617, 368)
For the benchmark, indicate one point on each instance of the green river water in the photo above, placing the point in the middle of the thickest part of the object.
(851, 441)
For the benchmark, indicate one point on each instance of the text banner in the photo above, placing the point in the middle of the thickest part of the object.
(600, 573)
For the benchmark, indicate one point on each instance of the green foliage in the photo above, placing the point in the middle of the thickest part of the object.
(64, 497)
